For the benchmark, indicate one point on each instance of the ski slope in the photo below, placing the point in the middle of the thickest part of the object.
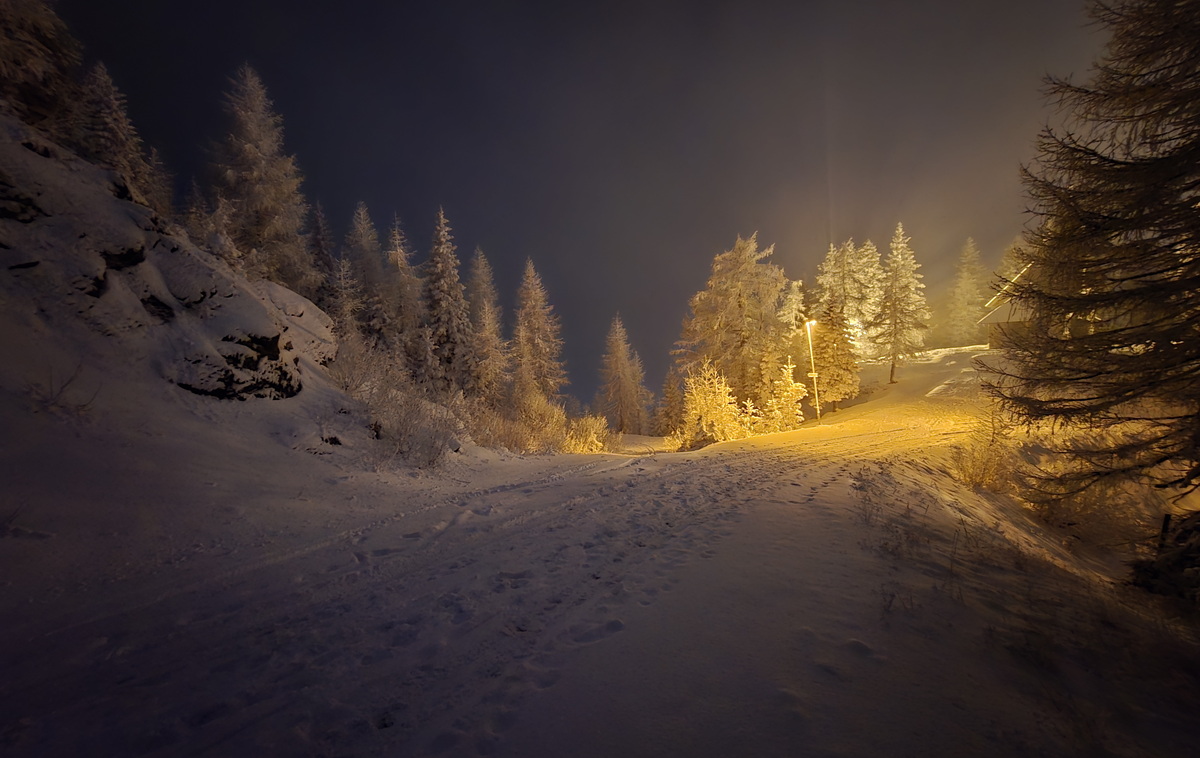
(202, 584)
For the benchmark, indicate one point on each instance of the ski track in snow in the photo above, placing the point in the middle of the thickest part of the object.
(434, 624)
(391, 614)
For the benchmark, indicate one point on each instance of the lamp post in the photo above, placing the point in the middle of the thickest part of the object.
(812, 362)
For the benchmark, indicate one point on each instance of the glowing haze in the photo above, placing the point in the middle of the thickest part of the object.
(623, 145)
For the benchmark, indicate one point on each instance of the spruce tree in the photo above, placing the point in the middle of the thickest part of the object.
(669, 411)
(1110, 356)
(734, 322)
(491, 352)
(446, 317)
(104, 133)
(362, 249)
(833, 356)
(623, 393)
(402, 293)
(159, 186)
(898, 328)
(966, 299)
(537, 346)
(321, 245)
(851, 275)
(38, 59)
(793, 314)
(252, 172)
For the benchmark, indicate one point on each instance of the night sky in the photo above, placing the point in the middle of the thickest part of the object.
(622, 145)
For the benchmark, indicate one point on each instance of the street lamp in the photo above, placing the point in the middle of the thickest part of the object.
(808, 325)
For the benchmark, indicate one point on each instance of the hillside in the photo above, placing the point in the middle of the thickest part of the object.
(199, 557)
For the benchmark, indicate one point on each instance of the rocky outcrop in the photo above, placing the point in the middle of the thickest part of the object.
(75, 245)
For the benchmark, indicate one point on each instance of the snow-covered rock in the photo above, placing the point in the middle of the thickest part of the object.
(76, 250)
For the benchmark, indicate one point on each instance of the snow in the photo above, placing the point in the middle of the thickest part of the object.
(181, 575)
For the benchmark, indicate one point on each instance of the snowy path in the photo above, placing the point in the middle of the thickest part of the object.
(825, 592)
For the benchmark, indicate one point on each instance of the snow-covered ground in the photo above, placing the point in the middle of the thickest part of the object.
(187, 576)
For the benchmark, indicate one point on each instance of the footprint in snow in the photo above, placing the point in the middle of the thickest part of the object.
(596, 633)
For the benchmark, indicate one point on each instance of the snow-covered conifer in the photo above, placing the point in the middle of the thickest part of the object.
(898, 328)
(782, 412)
(321, 244)
(447, 317)
(623, 393)
(253, 172)
(711, 412)
(833, 356)
(668, 412)
(38, 58)
(104, 133)
(362, 249)
(159, 186)
(966, 298)
(851, 275)
(536, 344)
(491, 352)
(734, 322)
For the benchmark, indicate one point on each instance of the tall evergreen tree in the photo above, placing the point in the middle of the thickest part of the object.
(537, 346)
(403, 286)
(104, 132)
(321, 244)
(159, 186)
(898, 329)
(851, 275)
(446, 316)
(793, 314)
(1113, 288)
(623, 392)
(252, 172)
(833, 356)
(491, 352)
(967, 298)
(362, 249)
(734, 322)
(38, 59)
(669, 411)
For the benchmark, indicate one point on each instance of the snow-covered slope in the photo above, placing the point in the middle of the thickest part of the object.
(184, 575)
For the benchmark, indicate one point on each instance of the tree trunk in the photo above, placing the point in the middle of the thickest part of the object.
(892, 376)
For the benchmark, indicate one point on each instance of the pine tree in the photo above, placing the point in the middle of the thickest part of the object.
(252, 172)
(491, 352)
(669, 412)
(537, 346)
(833, 356)
(851, 276)
(362, 249)
(711, 412)
(793, 315)
(321, 245)
(38, 59)
(898, 329)
(104, 132)
(782, 412)
(159, 186)
(1110, 356)
(446, 316)
(403, 293)
(623, 392)
(967, 298)
(734, 323)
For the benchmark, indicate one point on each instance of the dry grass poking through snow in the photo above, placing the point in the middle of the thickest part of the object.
(1097, 653)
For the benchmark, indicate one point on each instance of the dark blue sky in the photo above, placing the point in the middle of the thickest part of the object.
(622, 145)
